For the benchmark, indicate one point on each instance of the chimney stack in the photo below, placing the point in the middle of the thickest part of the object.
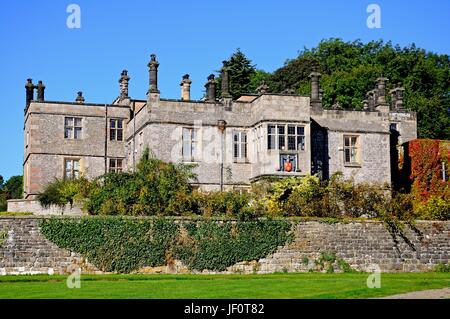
(262, 88)
(29, 89)
(225, 81)
(80, 98)
(153, 74)
(123, 83)
(211, 89)
(185, 88)
(380, 103)
(40, 91)
(397, 98)
(315, 89)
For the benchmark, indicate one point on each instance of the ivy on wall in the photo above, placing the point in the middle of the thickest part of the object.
(426, 158)
(124, 244)
(113, 244)
(213, 246)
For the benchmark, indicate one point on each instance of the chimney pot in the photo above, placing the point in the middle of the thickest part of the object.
(185, 88)
(211, 89)
(29, 90)
(153, 74)
(123, 83)
(80, 98)
(40, 91)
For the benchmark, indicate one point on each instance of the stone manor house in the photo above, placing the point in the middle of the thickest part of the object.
(233, 142)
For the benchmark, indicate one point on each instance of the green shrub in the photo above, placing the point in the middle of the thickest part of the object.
(435, 209)
(441, 267)
(64, 191)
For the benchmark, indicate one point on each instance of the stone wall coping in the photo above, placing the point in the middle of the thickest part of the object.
(187, 218)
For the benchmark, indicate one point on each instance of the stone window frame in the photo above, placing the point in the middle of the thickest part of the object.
(193, 154)
(115, 168)
(72, 170)
(281, 133)
(356, 147)
(240, 146)
(116, 129)
(73, 127)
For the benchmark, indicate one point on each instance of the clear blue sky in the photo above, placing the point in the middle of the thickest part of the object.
(187, 36)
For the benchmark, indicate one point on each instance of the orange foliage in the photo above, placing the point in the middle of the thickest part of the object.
(426, 168)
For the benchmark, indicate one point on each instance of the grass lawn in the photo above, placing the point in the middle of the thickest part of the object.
(298, 285)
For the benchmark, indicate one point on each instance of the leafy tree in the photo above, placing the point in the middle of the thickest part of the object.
(13, 188)
(242, 75)
(1, 182)
(350, 68)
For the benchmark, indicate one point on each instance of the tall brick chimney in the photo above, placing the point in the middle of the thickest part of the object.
(29, 90)
(186, 88)
(153, 74)
(40, 91)
(211, 89)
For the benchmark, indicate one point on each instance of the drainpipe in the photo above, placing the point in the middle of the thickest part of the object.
(106, 139)
(134, 136)
(221, 125)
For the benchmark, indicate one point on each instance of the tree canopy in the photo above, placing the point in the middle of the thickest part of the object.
(349, 70)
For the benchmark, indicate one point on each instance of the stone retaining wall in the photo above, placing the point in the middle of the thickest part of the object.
(359, 243)
(33, 206)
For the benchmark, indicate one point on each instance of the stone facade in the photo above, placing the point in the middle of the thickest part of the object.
(360, 243)
(233, 142)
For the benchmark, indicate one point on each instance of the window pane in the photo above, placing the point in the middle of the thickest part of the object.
(186, 134)
(68, 165)
(291, 130)
(271, 129)
(112, 123)
(236, 150)
(300, 130)
(77, 121)
(244, 137)
(347, 155)
(236, 137)
(291, 142)
(186, 149)
(119, 135)
(68, 121)
(243, 150)
(119, 163)
(353, 155)
(281, 142)
(194, 150)
(68, 133)
(119, 123)
(346, 141)
(271, 142)
(77, 133)
(353, 141)
(281, 129)
(301, 143)
(112, 163)
(194, 134)
(75, 165)
(76, 174)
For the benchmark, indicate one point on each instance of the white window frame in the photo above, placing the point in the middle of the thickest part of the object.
(353, 150)
(115, 168)
(189, 148)
(70, 127)
(73, 173)
(115, 129)
(240, 146)
(281, 134)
